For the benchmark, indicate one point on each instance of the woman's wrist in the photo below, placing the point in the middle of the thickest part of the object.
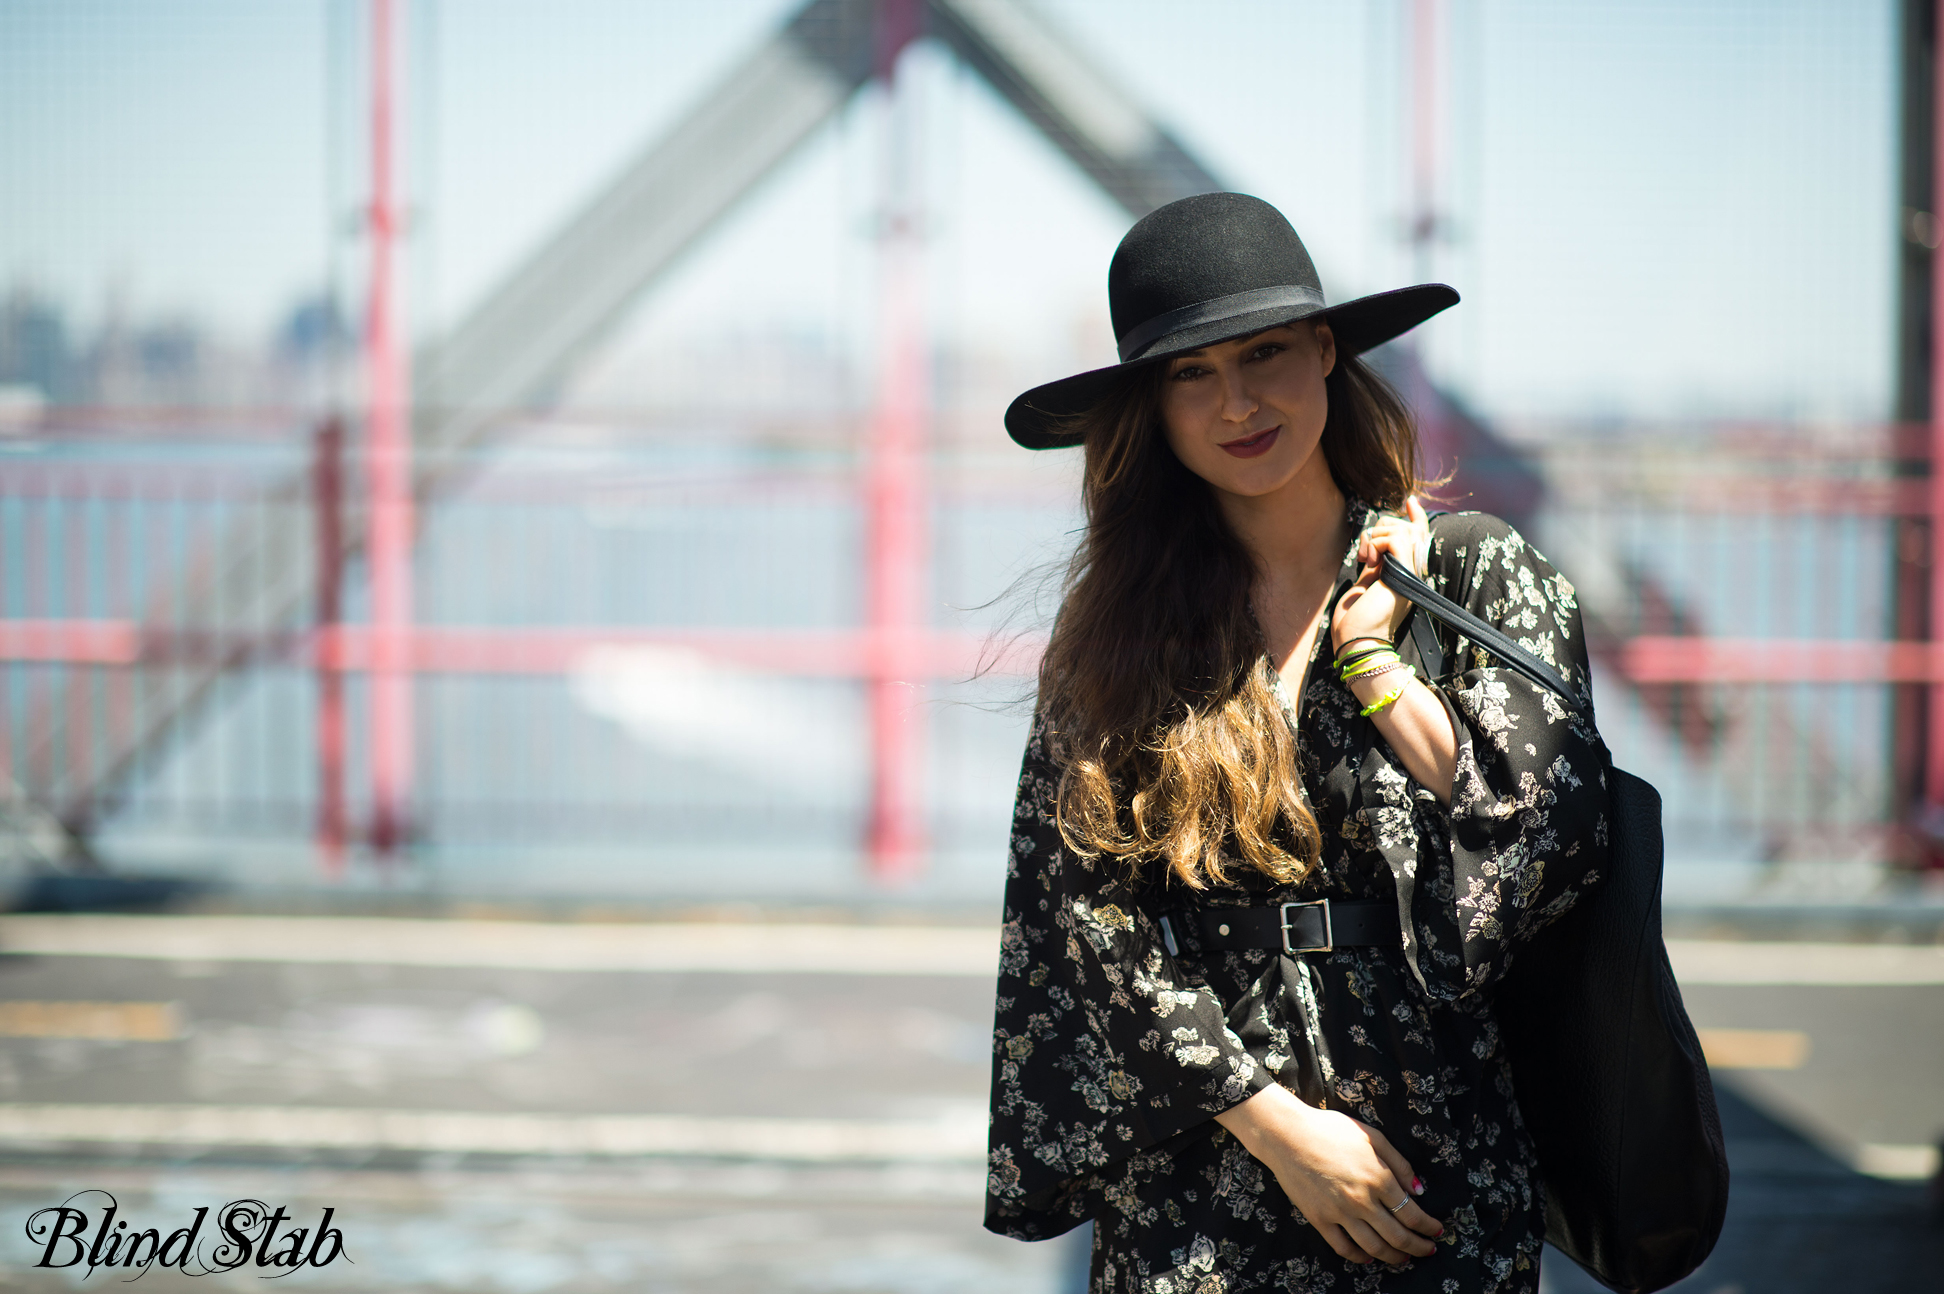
(1251, 1120)
(1339, 644)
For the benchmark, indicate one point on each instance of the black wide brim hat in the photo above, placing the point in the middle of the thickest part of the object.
(1208, 269)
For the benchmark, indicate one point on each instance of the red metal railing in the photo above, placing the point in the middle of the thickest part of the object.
(755, 563)
(100, 527)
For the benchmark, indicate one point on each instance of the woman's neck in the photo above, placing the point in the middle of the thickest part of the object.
(1295, 530)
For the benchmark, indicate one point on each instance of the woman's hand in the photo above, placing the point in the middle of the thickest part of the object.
(1343, 1176)
(1368, 609)
(1414, 722)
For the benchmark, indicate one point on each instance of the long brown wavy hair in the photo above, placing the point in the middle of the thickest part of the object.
(1155, 688)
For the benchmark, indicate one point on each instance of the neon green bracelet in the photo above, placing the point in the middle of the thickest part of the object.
(1370, 664)
(1381, 702)
(1353, 659)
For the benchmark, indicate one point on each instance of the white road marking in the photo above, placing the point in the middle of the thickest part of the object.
(1903, 1163)
(516, 945)
(950, 1139)
(1729, 961)
(755, 948)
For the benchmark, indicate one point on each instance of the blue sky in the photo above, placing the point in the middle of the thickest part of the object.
(1660, 209)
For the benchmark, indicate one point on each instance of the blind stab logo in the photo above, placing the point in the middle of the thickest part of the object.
(244, 1231)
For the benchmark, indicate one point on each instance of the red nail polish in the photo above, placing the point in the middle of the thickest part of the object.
(1417, 1186)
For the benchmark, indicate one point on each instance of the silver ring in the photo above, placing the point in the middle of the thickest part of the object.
(1400, 1204)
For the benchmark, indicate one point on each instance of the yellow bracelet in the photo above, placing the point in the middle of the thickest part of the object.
(1371, 664)
(1381, 702)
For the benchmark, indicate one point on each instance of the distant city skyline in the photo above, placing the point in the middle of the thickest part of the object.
(1657, 209)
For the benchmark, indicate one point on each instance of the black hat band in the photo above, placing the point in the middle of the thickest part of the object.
(1139, 338)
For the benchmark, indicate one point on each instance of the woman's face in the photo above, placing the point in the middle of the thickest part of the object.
(1246, 415)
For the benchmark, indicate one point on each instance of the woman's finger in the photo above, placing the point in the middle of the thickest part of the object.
(1407, 1178)
(1416, 1219)
(1339, 1239)
(1408, 1185)
(1400, 1236)
(1366, 1238)
(1395, 538)
(1391, 527)
(1401, 545)
(1421, 522)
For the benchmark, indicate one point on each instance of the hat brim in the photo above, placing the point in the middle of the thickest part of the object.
(1042, 417)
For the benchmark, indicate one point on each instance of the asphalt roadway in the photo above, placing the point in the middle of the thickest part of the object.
(813, 1123)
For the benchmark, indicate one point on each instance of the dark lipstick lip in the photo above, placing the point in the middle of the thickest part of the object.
(1249, 446)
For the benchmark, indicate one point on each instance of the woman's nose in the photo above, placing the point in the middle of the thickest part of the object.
(1238, 401)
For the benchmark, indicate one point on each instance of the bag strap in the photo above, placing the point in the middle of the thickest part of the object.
(1429, 600)
(1424, 637)
(1429, 651)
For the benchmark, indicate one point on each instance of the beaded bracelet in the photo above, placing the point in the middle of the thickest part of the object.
(1389, 666)
(1376, 706)
(1365, 664)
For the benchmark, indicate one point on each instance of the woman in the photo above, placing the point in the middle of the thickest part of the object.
(1264, 874)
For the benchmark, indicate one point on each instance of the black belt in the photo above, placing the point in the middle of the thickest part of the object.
(1315, 926)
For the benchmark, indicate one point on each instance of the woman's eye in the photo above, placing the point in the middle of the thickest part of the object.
(1188, 374)
(1266, 350)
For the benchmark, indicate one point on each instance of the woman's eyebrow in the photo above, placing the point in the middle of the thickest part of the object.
(1203, 353)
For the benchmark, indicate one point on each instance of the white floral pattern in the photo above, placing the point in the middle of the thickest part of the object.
(1111, 1056)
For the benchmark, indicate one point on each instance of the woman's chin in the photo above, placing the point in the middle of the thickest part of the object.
(1254, 478)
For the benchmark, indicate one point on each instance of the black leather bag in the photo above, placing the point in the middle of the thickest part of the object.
(1610, 1076)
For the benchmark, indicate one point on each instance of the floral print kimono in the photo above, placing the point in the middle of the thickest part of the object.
(1112, 1056)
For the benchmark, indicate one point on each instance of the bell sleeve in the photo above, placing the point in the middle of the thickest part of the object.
(1525, 834)
(1102, 1048)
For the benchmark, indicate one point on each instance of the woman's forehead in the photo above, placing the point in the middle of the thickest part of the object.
(1239, 341)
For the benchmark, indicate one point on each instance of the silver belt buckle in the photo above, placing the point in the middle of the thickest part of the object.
(1329, 935)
